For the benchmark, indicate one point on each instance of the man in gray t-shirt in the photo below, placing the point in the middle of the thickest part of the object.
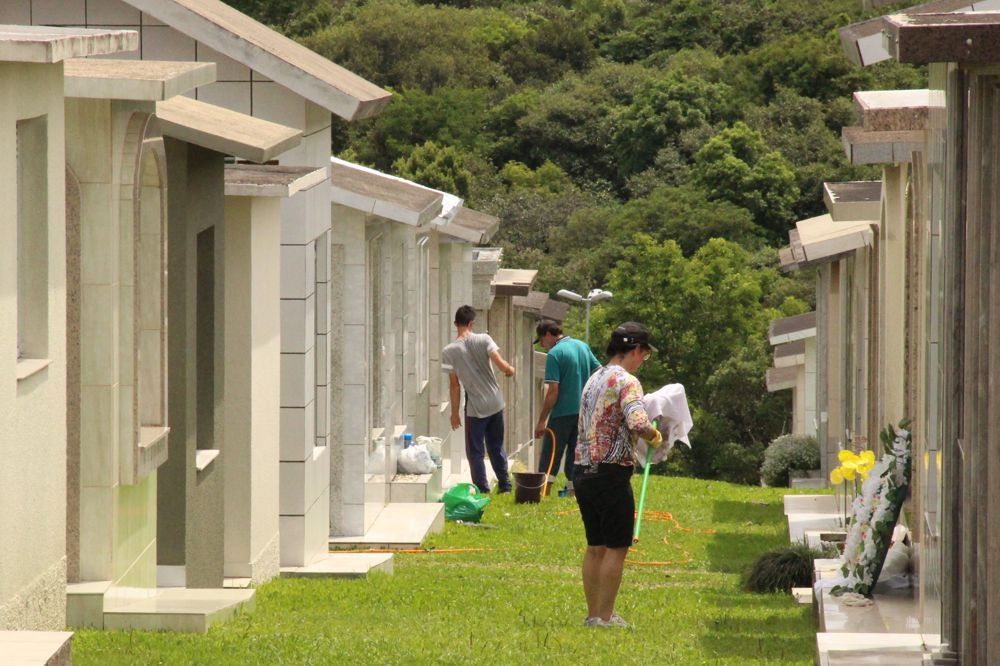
(467, 362)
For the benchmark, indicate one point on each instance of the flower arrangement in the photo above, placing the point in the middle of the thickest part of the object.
(853, 469)
(875, 511)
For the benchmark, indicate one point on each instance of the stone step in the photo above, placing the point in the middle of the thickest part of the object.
(175, 609)
(36, 648)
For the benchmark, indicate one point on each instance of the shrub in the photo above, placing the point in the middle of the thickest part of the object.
(738, 463)
(781, 570)
(788, 453)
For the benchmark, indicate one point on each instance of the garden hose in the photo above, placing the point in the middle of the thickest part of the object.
(552, 459)
(642, 493)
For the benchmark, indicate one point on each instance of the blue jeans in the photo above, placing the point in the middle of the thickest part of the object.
(565, 429)
(485, 435)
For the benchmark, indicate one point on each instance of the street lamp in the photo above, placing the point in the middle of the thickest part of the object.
(594, 296)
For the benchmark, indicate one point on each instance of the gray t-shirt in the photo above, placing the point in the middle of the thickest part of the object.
(469, 358)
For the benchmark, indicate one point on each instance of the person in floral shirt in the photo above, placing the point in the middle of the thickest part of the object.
(612, 417)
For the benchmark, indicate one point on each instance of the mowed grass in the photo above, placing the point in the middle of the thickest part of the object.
(512, 595)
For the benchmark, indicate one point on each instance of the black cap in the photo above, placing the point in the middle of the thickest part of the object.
(631, 334)
(546, 326)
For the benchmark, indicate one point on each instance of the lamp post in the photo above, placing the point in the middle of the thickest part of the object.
(594, 296)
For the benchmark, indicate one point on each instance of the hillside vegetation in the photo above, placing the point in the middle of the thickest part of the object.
(658, 149)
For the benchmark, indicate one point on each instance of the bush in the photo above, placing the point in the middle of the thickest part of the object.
(781, 570)
(738, 463)
(786, 454)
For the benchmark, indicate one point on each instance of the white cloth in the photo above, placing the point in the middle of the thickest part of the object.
(669, 407)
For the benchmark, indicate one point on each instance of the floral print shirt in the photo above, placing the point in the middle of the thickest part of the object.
(611, 410)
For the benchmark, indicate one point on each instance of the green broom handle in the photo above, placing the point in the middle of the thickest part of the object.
(642, 493)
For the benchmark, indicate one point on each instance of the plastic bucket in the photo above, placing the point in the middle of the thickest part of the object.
(528, 487)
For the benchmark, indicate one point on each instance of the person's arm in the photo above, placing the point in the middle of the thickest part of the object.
(636, 418)
(455, 390)
(551, 395)
(504, 367)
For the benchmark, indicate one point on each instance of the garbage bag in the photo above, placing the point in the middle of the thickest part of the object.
(464, 502)
(415, 459)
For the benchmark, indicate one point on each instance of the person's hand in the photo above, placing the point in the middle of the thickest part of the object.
(509, 371)
(456, 422)
(540, 429)
(657, 439)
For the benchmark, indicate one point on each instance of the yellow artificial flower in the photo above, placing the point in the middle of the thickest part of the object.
(836, 476)
(849, 473)
(845, 454)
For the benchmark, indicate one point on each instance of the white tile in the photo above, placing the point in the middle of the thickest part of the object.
(293, 217)
(98, 235)
(98, 429)
(58, 12)
(298, 379)
(355, 302)
(298, 325)
(111, 12)
(298, 273)
(274, 102)
(226, 69)
(353, 488)
(317, 528)
(323, 258)
(322, 358)
(356, 427)
(297, 432)
(292, 530)
(165, 43)
(96, 533)
(235, 96)
(322, 307)
(322, 412)
(98, 337)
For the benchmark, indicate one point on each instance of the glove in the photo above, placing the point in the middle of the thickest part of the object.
(656, 441)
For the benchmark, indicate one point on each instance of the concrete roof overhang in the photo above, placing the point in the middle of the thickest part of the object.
(779, 379)
(820, 240)
(894, 125)
(382, 195)
(865, 42)
(790, 354)
(277, 57)
(853, 200)
(514, 281)
(271, 180)
(225, 131)
(149, 80)
(44, 44)
(789, 329)
(969, 37)
(471, 225)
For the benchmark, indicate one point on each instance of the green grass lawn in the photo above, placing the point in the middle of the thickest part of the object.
(512, 595)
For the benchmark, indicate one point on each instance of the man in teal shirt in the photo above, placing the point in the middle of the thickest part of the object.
(567, 367)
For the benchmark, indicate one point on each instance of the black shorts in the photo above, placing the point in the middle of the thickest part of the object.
(607, 504)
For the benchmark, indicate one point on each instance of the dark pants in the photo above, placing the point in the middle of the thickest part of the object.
(485, 435)
(607, 504)
(565, 430)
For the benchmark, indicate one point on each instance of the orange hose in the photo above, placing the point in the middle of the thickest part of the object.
(552, 459)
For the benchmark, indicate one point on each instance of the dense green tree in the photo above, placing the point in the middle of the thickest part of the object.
(294, 18)
(439, 167)
(737, 166)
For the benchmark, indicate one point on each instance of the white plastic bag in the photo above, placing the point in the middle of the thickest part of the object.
(433, 445)
(416, 459)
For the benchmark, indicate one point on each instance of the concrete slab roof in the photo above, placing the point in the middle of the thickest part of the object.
(43, 44)
(863, 147)
(854, 200)
(779, 379)
(225, 131)
(790, 354)
(150, 80)
(271, 180)
(554, 309)
(514, 281)
(968, 37)
(796, 327)
(376, 193)
(820, 239)
(896, 110)
(471, 225)
(533, 302)
(864, 42)
(277, 57)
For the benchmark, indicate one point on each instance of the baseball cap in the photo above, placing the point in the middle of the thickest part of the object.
(632, 334)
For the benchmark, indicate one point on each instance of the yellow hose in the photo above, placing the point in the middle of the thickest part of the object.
(552, 459)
